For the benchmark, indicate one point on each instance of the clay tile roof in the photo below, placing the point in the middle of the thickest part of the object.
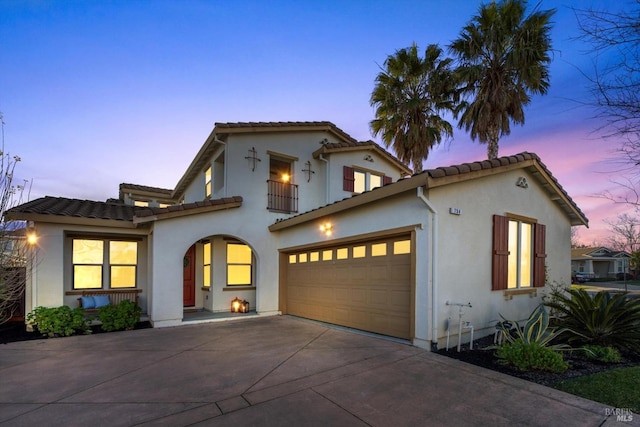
(276, 126)
(142, 212)
(545, 179)
(60, 206)
(331, 147)
(145, 188)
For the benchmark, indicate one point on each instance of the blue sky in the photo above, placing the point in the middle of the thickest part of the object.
(95, 93)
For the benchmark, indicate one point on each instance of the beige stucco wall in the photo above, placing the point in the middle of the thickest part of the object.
(52, 277)
(464, 247)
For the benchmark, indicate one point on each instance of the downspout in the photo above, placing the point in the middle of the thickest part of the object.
(434, 268)
(326, 185)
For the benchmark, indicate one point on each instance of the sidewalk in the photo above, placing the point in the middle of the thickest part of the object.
(277, 371)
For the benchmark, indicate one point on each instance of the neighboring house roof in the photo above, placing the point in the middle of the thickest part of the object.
(221, 130)
(599, 252)
(59, 209)
(333, 147)
(433, 178)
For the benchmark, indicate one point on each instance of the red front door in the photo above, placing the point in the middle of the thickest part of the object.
(189, 278)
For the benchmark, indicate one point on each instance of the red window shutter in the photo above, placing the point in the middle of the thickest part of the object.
(539, 255)
(386, 180)
(500, 257)
(348, 179)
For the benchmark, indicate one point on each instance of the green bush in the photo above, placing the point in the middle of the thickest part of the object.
(602, 354)
(531, 356)
(123, 316)
(602, 319)
(59, 321)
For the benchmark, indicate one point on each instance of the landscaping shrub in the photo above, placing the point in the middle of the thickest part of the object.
(602, 319)
(602, 354)
(536, 330)
(123, 316)
(531, 356)
(59, 321)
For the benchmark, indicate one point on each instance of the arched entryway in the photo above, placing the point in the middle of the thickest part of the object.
(216, 270)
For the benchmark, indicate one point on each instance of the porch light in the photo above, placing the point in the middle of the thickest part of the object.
(326, 228)
(32, 239)
(236, 305)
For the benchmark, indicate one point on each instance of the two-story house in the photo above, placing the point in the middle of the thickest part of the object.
(300, 218)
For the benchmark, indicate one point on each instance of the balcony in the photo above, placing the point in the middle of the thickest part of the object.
(282, 197)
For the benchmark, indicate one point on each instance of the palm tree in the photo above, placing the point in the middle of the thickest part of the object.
(503, 60)
(409, 96)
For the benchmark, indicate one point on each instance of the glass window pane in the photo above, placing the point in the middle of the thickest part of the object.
(239, 274)
(512, 269)
(375, 181)
(314, 256)
(206, 275)
(140, 203)
(238, 254)
(402, 247)
(526, 252)
(206, 253)
(123, 276)
(359, 251)
(359, 184)
(87, 251)
(379, 249)
(87, 276)
(292, 259)
(327, 255)
(123, 253)
(302, 258)
(342, 253)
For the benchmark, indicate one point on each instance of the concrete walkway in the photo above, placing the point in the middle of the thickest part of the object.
(277, 371)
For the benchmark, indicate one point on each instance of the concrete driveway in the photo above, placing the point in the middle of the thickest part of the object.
(267, 372)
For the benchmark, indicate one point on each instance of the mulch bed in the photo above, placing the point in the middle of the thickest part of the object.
(16, 331)
(578, 365)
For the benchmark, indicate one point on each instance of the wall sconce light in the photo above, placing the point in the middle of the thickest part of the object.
(326, 228)
(32, 238)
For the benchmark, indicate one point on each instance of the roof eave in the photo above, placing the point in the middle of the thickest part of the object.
(351, 202)
(75, 220)
(182, 213)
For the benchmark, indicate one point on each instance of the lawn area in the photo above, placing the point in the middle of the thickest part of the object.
(617, 388)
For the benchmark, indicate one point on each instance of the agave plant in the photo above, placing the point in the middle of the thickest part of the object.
(602, 319)
(536, 330)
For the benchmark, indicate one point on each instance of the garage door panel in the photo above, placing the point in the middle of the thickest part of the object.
(372, 293)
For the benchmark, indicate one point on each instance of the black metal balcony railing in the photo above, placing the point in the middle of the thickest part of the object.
(283, 197)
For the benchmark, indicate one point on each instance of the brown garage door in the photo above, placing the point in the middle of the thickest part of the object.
(364, 285)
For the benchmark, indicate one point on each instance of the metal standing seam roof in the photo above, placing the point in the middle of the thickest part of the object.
(433, 176)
